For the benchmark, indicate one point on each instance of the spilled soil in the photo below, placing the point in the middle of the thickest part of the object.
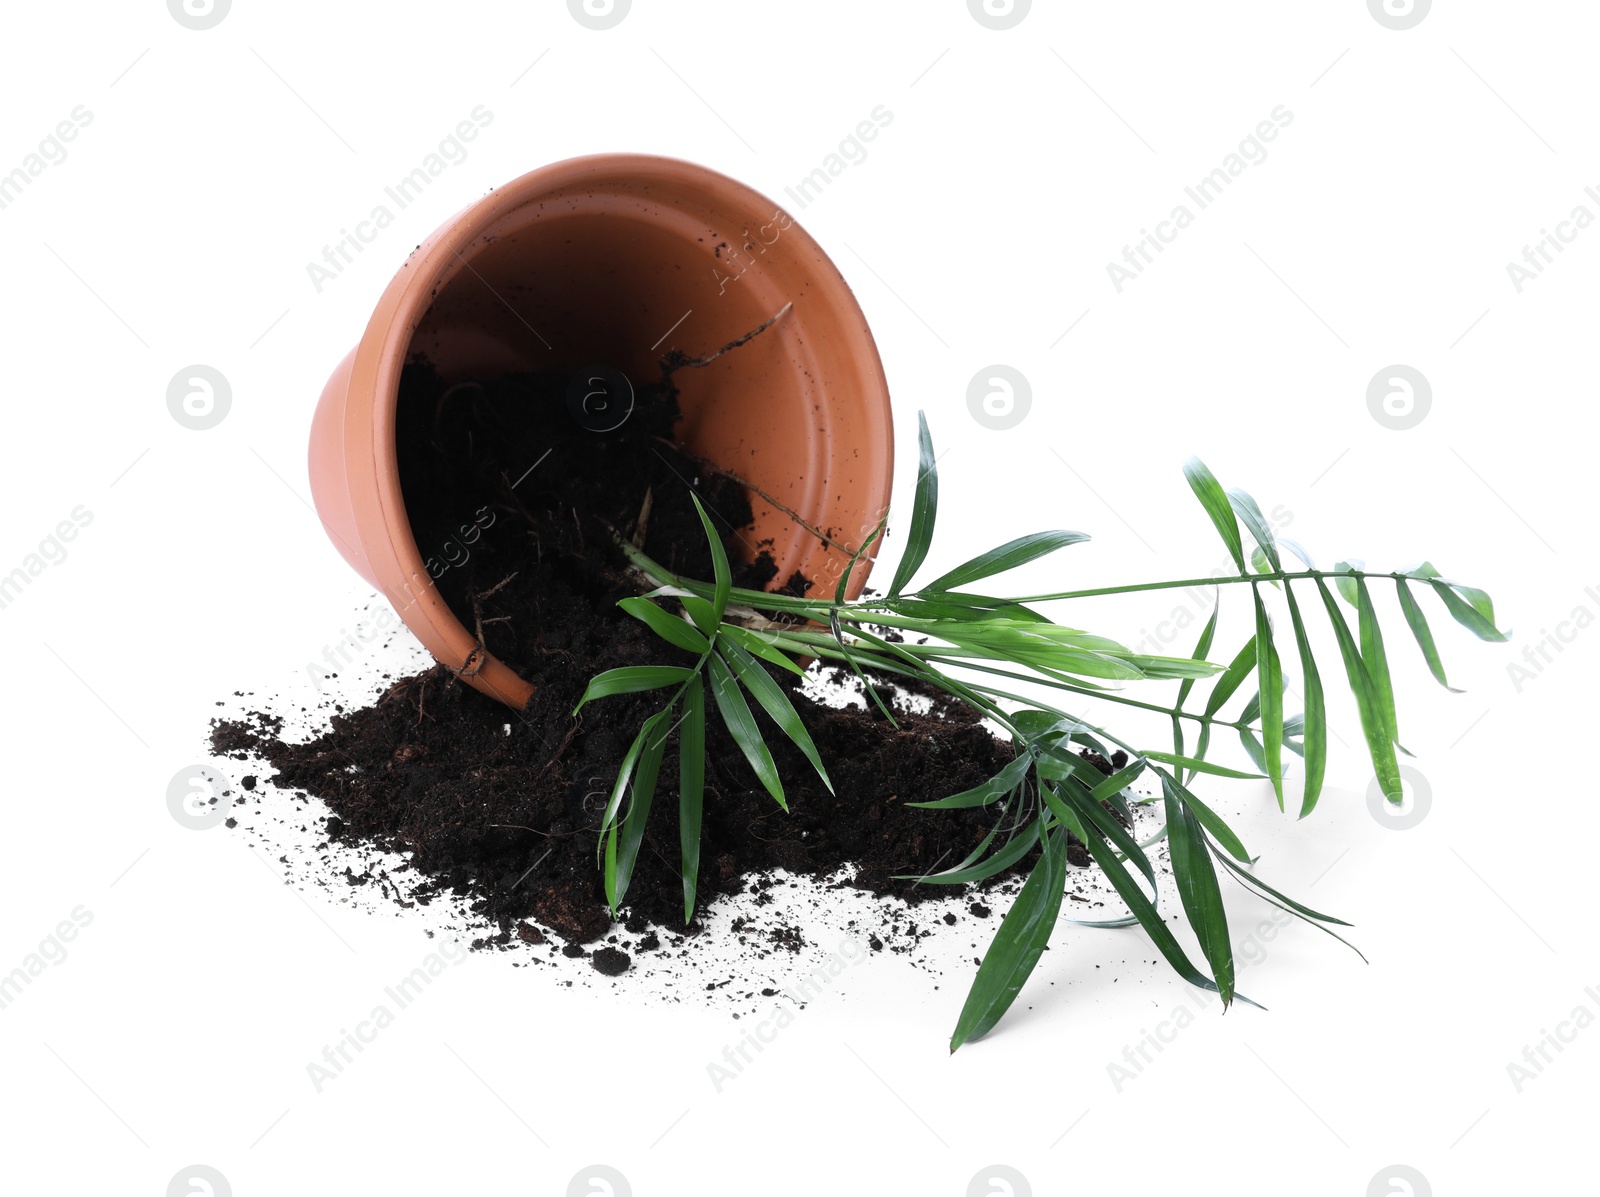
(516, 506)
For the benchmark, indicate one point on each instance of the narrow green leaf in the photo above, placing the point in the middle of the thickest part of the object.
(1269, 670)
(1210, 493)
(1008, 556)
(1149, 918)
(691, 788)
(1017, 945)
(1171, 668)
(754, 643)
(621, 857)
(1195, 765)
(1209, 819)
(1202, 649)
(1252, 747)
(1298, 549)
(630, 760)
(1424, 634)
(669, 627)
(1315, 719)
(775, 703)
(1118, 781)
(1376, 660)
(1232, 677)
(721, 574)
(841, 592)
(924, 510)
(1475, 613)
(1095, 819)
(960, 605)
(741, 726)
(1344, 579)
(1469, 606)
(1246, 509)
(1379, 746)
(702, 612)
(632, 679)
(1015, 849)
(1001, 784)
(1198, 890)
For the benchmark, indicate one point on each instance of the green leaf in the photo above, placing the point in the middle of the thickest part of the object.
(1008, 556)
(632, 679)
(1315, 719)
(741, 726)
(1232, 677)
(756, 644)
(775, 702)
(1379, 746)
(1149, 918)
(1118, 781)
(1001, 784)
(1252, 747)
(1376, 660)
(1171, 668)
(702, 612)
(691, 787)
(669, 627)
(1017, 945)
(1209, 491)
(1344, 579)
(1198, 890)
(924, 510)
(959, 605)
(1015, 849)
(1202, 649)
(1469, 606)
(1095, 819)
(1423, 633)
(1269, 670)
(624, 775)
(1472, 609)
(722, 575)
(1209, 819)
(621, 857)
(850, 566)
(1195, 765)
(1247, 510)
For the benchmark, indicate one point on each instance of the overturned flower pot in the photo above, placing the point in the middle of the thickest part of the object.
(596, 268)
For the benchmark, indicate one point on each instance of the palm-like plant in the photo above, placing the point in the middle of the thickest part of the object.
(1049, 791)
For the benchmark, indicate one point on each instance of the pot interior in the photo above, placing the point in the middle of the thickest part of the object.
(623, 267)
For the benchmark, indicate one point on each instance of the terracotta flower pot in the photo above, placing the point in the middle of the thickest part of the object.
(616, 259)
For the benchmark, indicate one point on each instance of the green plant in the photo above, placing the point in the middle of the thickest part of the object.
(1049, 791)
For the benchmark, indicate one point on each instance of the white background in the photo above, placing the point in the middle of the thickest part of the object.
(978, 230)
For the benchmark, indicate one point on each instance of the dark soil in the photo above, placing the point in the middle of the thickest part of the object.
(514, 505)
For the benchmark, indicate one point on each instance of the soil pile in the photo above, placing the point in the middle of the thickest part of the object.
(515, 506)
